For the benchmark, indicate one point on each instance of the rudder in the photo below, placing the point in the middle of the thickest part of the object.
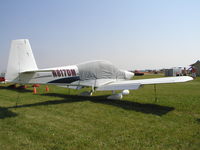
(20, 59)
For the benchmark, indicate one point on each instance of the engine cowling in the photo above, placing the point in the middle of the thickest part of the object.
(128, 75)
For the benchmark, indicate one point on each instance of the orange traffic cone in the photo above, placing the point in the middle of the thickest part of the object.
(47, 88)
(34, 90)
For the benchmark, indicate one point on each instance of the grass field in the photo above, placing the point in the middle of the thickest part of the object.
(60, 120)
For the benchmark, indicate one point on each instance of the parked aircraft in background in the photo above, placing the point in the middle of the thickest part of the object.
(2, 78)
(99, 75)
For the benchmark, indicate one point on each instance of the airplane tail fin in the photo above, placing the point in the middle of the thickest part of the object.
(21, 59)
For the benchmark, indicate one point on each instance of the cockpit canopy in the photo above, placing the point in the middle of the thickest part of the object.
(99, 70)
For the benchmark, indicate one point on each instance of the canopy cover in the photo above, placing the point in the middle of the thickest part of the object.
(99, 70)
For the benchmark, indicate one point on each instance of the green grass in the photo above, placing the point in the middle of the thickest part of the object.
(61, 120)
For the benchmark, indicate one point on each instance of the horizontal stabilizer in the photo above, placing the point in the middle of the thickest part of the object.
(51, 69)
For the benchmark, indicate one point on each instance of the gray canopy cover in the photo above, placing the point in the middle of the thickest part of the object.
(99, 70)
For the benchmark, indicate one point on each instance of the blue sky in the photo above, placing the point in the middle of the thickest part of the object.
(132, 34)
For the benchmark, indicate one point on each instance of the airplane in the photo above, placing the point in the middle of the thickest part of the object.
(100, 75)
(2, 78)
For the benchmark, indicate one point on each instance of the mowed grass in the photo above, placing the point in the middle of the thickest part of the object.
(58, 119)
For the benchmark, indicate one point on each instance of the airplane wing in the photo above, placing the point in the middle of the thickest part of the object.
(135, 84)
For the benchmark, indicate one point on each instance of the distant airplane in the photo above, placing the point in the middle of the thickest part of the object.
(99, 75)
(2, 78)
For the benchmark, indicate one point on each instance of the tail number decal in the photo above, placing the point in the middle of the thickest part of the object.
(64, 73)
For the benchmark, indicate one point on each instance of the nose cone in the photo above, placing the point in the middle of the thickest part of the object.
(128, 75)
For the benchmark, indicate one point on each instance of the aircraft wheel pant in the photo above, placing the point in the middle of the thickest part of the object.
(86, 93)
(118, 96)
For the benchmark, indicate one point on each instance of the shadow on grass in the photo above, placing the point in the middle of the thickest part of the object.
(16, 89)
(5, 113)
(198, 120)
(127, 105)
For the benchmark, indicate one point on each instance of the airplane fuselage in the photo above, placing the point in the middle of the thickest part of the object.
(76, 75)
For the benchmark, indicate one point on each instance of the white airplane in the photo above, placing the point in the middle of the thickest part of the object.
(99, 75)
